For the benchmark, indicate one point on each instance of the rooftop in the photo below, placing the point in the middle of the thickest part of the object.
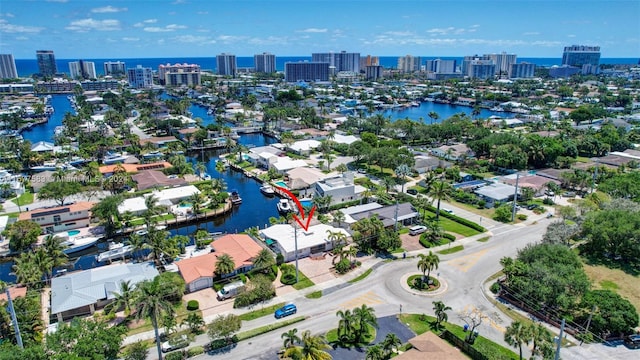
(284, 235)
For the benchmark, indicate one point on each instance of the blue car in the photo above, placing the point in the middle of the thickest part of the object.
(286, 310)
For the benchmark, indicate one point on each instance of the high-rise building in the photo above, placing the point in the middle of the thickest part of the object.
(369, 61)
(468, 59)
(409, 63)
(46, 62)
(503, 61)
(116, 68)
(8, 67)
(82, 69)
(342, 61)
(306, 71)
(522, 70)
(264, 63)
(373, 72)
(179, 74)
(140, 77)
(481, 69)
(584, 57)
(440, 66)
(227, 64)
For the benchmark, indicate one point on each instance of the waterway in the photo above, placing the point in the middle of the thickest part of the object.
(444, 111)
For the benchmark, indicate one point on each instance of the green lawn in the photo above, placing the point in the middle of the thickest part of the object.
(24, 199)
(267, 328)
(361, 276)
(482, 344)
(484, 239)
(252, 315)
(303, 282)
(159, 219)
(452, 226)
(452, 250)
(314, 295)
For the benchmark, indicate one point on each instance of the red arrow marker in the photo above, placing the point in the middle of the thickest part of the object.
(304, 224)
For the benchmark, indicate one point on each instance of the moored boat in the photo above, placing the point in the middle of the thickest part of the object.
(267, 190)
(235, 198)
(117, 251)
(284, 206)
(78, 243)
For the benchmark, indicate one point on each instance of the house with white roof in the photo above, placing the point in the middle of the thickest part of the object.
(82, 292)
(172, 196)
(344, 139)
(135, 206)
(304, 177)
(340, 188)
(309, 242)
(285, 163)
(304, 147)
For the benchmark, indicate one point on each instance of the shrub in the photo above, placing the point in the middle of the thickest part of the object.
(495, 287)
(521, 217)
(195, 351)
(279, 259)
(193, 305)
(218, 286)
(547, 201)
(449, 237)
(243, 278)
(288, 278)
(176, 355)
(343, 266)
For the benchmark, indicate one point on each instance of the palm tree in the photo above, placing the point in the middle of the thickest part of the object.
(365, 316)
(440, 310)
(52, 245)
(376, 352)
(402, 171)
(107, 210)
(337, 238)
(160, 246)
(345, 324)
(194, 321)
(338, 217)
(197, 199)
(542, 340)
(314, 347)
(26, 270)
(390, 344)
(434, 116)
(440, 191)
(43, 263)
(264, 260)
(290, 338)
(517, 334)
(427, 263)
(151, 303)
(137, 243)
(123, 298)
(153, 209)
(201, 169)
(224, 265)
(220, 168)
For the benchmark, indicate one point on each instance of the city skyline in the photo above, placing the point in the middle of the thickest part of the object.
(195, 28)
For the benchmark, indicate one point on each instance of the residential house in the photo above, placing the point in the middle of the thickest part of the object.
(403, 213)
(56, 219)
(264, 156)
(453, 152)
(496, 193)
(340, 188)
(344, 139)
(198, 271)
(285, 163)
(426, 163)
(83, 292)
(156, 179)
(15, 185)
(304, 177)
(158, 141)
(430, 346)
(133, 168)
(304, 147)
(311, 242)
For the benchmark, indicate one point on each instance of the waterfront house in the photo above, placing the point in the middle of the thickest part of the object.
(263, 156)
(133, 168)
(304, 177)
(158, 142)
(198, 271)
(304, 147)
(285, 163)
(147, 179)
(56, 219)
(404, 213)
(311, 242)
(83, 292)
(341, 188)
(174, 195)
(453, 152)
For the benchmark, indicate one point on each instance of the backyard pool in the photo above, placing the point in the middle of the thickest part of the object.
(306, 203)
(281, 184)
(73, 232)
(185, 205)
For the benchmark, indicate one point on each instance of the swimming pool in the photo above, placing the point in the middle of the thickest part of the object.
(185, 205)
(306, 203)
(73, 232)
(281, 184)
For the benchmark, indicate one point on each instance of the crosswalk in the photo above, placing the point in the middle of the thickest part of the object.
(369, 298)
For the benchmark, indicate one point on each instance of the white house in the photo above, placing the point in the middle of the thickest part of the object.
(135, 205)
(285, 163)
(304, 177)
(345, 139)
(304, 147)
(174, 195)
(60, 218)
(309, 242)
(341, 188)
(83, 292)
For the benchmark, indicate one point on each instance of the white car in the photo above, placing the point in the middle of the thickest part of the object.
(448, 211)
(175, 343)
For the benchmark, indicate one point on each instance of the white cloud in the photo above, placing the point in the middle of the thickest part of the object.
(192, 39)
(451, 30)
(202, 13)
(571, 36)
(405, 41)
(130, 39)
(227, 39)
(108, 9)
(143, 23)
(168, 28)
(9, 15)
(270, 40)
(313, 30)
(530, 33)
(11, 28)
(92, 24)
(400, 33)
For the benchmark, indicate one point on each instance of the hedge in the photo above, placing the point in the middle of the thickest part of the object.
(449, 237)
(458, 219)
(193, 305)
(178, 355)
(195, 351)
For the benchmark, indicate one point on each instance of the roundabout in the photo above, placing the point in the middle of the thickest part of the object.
(406, 278)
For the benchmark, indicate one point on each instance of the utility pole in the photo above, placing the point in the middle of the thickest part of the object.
(395, 226)
(515, 199)
(295, 240)
(559, 342)
(14, 320)
(586, 329)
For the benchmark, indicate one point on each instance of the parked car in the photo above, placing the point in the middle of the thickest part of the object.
(175, 343)
(532, 206)
(412, 191)
(416, 230)
(286, 310)
(632, 341)
(448, 211)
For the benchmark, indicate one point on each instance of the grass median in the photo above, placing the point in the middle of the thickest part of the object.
(267, 328)
(252, 315)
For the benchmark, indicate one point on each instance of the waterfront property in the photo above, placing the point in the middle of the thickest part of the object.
(198, 271)
(403, 213)
(432, 346)
(341, 188)
(313, 241)
(60, 218)
(133, 168)
(83, 292)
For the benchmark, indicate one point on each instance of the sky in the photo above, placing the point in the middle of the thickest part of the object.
(97, 29)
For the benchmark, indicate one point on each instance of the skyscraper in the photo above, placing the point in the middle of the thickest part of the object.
(226, 64)
(140, 77)
(342, 61)
(585, 57)
(114, 68)
(46, 62)
(503, 61)
(179, 74)
(306, 71)
(522, 70)
(82, 69)
(8, 67)
(265, 63)
(409, 63)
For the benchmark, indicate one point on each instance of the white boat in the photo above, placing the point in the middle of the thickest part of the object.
(205, 176)
(268, 190)
(235, 198)
(111, 159)
(117, 252)
(284, 206)
(78, 243)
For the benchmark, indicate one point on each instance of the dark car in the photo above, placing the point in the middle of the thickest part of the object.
(632, 341)
(286, 310)
(532, 206)
(412, 191)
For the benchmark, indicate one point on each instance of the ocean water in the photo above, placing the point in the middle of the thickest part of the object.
(28, 67)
